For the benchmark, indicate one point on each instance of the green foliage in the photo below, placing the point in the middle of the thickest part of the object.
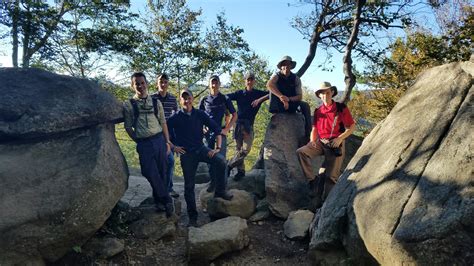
(407, 59)
(175, 43)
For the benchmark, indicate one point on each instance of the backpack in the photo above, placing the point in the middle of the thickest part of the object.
(136, 113)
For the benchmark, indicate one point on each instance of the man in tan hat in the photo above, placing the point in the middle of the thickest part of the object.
(332, 124)
(285, 88)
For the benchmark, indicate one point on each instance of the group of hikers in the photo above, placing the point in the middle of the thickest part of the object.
(161, 129)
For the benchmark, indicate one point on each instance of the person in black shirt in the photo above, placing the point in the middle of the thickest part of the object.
(186, 132)
(248, 104)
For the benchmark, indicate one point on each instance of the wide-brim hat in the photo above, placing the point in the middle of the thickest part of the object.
(287, 58)
(325, 86)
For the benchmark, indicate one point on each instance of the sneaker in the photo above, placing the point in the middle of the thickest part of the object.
(169, 209)
(211, 187)
(239, 175)
(224, 195)
(174, 194)
(192, 222)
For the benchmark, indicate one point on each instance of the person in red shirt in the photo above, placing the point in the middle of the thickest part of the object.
(332, 124)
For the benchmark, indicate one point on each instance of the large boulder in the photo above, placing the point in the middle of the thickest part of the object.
(253, 182)
(285, 185)
(214, 239)
(242, 205)
(62, 170)
(407, 196)
(296, 227)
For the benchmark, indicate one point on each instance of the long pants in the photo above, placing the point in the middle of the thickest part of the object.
(243, 136)
(189, 163)
(332, 164)
(211, 142)
(170, 171)
(153, 160)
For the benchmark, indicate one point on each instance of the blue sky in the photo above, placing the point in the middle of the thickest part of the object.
(266, 25)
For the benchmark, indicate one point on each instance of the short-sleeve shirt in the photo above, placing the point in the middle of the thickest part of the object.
(244, 99)
(324, 119)
(216, 106)
(147, 123)
(169, 103)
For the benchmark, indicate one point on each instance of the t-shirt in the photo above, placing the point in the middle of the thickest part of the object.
(169, 103)
(216, 106)
(324, 119)
(147, 123)
(244, 99)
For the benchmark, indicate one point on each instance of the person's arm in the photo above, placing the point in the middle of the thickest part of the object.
(260, 100)
(233, 113)
(128, 120)
(349, 125)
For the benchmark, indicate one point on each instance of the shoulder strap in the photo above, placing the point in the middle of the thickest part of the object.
(135, 112)
(154, 100)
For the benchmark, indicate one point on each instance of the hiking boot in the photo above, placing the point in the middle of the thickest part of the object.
(240, 174)
(174, 194)
(224, 195)
(192, 222)
(169, 209)
(211, 187)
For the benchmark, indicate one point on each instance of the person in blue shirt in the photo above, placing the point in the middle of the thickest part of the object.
(186, 133)
(248, 104)
(216, 105)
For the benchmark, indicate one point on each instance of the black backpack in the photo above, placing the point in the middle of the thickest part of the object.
(136, 113)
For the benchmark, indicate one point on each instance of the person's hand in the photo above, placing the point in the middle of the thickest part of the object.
(336, 142)
(224, 131)
(179, 150)
(286, 105)
(284, 98)
(313, 144)
(213, 152)
(255, 103)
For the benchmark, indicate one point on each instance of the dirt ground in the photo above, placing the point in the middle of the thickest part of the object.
(268, 245)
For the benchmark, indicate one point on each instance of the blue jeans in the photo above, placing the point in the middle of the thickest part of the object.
(189, 163)
(170, 172)
(152, 155)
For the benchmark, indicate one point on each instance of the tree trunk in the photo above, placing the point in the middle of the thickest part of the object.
(349, 77)
(15, 18)
(315, 38)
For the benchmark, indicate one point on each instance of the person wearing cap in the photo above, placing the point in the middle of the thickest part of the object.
(170, 106)
(332, 124)
(248, 104)
(145, 123)
(217, 105)
(285, 88)
(186, 131)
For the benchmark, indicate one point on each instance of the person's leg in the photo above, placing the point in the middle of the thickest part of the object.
(305, 156)
(152, 169)
(170, 174)
(244, 141)
(219, 164)
(333, 169)
(189, 163)
(245, 150)
(161, 161)
(210, 139)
